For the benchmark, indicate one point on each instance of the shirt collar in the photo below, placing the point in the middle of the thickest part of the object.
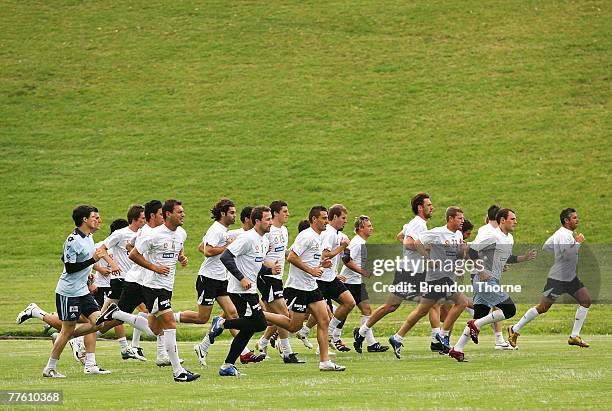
(79, 232)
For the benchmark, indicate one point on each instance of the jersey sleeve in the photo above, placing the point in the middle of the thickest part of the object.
(144, 244)
(239, 246)
(428, 237)
(72, 249)
(300, 245)
(413, 231)
(214, 238)
(112, 240)
(327, 241)
(483, 243)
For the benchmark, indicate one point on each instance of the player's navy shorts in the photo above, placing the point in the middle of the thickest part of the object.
(359, 292)
(116, 288)
(270, 288)
(555, 288)
(442, 295)
(298, 300)
(331, 290)
(100, 294)
(71, 308)
(131, 297)
(209, 289)
(157, 299)
(245, 303)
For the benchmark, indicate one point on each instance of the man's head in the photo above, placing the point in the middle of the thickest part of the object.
(421, 205)
(118, 224)
(317, 217)
(136, 215)
(363, 226)
(337, 216)
(492, 213)
(153, 212)
(224, 212)
(245, 217)
(569, 219)
(261, 217)
(303, 225)
(86, 217)
(280, 211)
(466, 229)
(506, 220)
(454, 218)
(174, 214)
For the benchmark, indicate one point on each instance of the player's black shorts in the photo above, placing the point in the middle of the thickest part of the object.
(71, 308)
(270, 288)
(100, 294)
(245, 303)
(208, 289)
(116, 288)
(358, 291)
(298, 300)
(157, 299)
(131, 297)
(407, 285)
(555, 288)
(331, 289)
(443, 294)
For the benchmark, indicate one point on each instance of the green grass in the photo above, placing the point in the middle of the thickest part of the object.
(545, 373)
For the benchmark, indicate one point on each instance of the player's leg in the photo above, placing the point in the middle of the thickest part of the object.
(390, 305)
(582, 296)
(346, 305)
(421, 310)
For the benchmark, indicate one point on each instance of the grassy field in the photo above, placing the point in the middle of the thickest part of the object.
(545, 373)
(313, 102)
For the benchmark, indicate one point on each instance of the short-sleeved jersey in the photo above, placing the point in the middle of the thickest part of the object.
(415, 262)
(494, 248)
(307, 246)
(278, 237)
(162, 247)
(249, 249)
(212, 267)
(116, 245)
(99, 279)
(235, 233)
(136, 273)
(330, 239)
(564, 247)
(443, 247)
(78, 247)
(357, 248)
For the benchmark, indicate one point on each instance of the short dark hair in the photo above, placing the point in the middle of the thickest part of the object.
(257, 213)
(245, 213)
(315, 212)
(303, 225)
(151, 208)
(134, 212)
(169, 205)
(492, 212)
(117, 224)
(503, 213)
(222, 206)
(418, 200)
(467, 225)
(336, 211)
(81, 212)
(452, 211)
(565, 214)
(276, 206)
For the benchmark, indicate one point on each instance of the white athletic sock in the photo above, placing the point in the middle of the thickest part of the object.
(123, 343)
(333, 324)
(370, 340)
(492, 317)
(444, 333)
(581, 314)
(499, 337)
(363, 330)
(470, 311)
(337, 334)
(465, 336)
(528, 316)
(398, 337)
(245, 351)
(37, 312)
(172, 349)
(434, 332)
(161, 347)
(90, 359)
(304, 331)
(135, 321)
(263, 342)
(136, 333)
(177, 317)
(325, 363)
(285, 347)
(51, 364)
(205, 344)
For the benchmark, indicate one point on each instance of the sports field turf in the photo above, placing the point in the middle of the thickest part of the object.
(545, 373)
